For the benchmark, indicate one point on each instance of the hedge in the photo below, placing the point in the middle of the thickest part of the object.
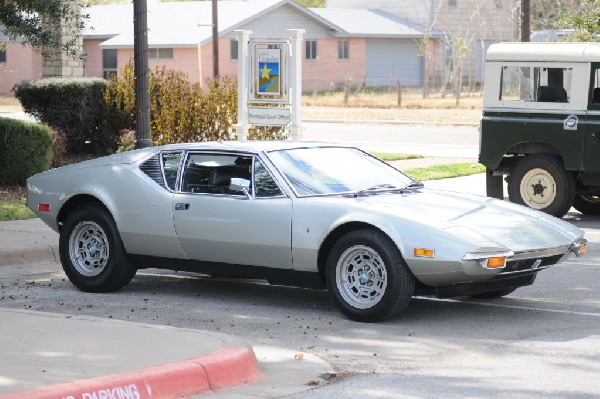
(25, 149)
(73, 106)
(180, 111)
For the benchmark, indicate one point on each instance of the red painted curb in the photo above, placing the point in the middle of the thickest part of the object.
(229, 367)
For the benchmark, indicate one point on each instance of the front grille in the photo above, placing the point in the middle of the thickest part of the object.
(151, 167)
(527, 264)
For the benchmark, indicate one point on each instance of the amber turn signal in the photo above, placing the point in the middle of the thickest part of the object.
(424, 253)
(496, 262)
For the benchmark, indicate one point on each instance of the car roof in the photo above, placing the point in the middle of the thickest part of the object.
(253, 146)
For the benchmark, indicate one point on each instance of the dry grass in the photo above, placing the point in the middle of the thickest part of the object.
(381, 99)
(381, 105)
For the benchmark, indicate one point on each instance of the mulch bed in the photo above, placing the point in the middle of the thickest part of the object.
(11, 193)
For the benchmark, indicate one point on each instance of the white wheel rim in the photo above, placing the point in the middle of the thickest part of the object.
(88, 249)
(538, 188)
(361, 277)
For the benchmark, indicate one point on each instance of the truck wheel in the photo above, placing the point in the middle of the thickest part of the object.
(540, 182)
(587, 204)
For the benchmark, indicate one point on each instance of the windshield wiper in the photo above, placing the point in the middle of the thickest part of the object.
(376, 189)
(386, 187)
(414, 184)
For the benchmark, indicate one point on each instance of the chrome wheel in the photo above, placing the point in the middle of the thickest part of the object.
(361, 277)
(538, 188)
(88, 249)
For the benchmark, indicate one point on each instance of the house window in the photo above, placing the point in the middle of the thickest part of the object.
(2, 52)
(160, 53)
(109, 63)
(343, 49)
(452, 3)
(234, 49)
(311, 49)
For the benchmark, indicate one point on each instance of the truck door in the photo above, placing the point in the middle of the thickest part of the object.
(591, 146)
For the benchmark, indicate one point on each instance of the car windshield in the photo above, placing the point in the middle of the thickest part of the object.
(336, 170)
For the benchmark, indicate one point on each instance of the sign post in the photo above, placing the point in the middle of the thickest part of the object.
(242, 126)
(269, 83)
(296, 83)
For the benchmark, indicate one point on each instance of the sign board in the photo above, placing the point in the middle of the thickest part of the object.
(269, 67)
(270, 83)
(269, 116)
(269, 72)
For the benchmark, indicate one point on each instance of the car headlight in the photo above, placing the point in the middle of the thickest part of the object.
(490, 260)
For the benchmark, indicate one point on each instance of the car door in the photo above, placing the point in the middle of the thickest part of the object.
(216, 224)
(591, 152)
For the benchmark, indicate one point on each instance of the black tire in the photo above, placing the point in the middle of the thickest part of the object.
(371, 260)
(541, 182)
(102, 264)
(494, 294)
(587, 204)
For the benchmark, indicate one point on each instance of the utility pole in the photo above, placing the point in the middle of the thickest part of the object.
(525, 20)
(215, 38)
(140, 61)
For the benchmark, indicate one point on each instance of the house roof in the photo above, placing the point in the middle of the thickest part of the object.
(187, 23)
(370, 23)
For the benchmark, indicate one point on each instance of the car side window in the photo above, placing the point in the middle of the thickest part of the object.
(264, 184)
(211, 173)
(171, 164)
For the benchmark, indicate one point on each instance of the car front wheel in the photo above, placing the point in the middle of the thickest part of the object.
(540, 182)
(367, 278)
(91, 251)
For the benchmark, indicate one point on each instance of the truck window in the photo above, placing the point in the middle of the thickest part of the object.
(596, 88)
(536, 84)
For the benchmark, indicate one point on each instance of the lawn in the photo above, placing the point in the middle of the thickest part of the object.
(14, 210)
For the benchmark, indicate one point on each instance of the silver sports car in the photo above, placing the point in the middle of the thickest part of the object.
(292, 213)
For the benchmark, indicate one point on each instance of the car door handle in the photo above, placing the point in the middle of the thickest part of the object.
(180, 206)
(594, 138)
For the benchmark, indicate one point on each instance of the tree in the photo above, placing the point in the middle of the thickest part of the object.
(586, 23)
(546, 14)
(38, 22)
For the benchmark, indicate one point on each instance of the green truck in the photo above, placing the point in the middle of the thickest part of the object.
(540, 128)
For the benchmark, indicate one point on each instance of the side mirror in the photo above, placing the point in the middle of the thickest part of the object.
(240, 185)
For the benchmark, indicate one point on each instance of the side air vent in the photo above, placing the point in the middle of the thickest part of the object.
(152, 168)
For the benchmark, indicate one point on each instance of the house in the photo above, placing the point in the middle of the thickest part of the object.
(17, 62)
(474, 23)
(358, 44)
(335, 41)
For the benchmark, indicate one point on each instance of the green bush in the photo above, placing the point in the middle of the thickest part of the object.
(73, 106)
(180, 111)
(25, 149)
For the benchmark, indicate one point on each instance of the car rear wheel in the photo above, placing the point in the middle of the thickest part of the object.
(367, 278)
(91, 251)
(540, 182)
(587, 204)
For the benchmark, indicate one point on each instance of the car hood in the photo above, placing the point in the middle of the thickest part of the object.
(512, 226)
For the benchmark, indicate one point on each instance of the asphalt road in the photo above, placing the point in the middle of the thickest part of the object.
(541, 341)
(441, 141)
